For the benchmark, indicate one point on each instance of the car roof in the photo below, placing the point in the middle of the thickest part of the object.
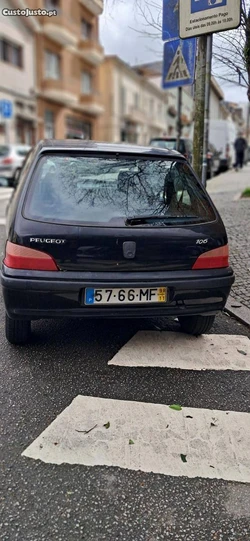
(169, 138)
(93, 146)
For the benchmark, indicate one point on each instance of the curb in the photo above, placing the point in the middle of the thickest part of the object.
(237, 310)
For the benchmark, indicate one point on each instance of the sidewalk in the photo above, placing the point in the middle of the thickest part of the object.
(225, 191)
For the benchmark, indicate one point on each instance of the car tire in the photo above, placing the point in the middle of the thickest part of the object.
(196, 325)
(17, 331)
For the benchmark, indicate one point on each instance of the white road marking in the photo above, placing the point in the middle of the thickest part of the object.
(177, 350)
(215, 443)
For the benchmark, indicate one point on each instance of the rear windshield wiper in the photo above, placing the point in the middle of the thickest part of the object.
(151, 219)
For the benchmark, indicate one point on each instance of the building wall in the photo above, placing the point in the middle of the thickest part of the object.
(215, 106)
(135, 110)
(17, 84)
(172, 108)
(62, 97)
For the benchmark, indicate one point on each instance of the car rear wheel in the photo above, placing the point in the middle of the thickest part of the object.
(196, 325)
(17, 331)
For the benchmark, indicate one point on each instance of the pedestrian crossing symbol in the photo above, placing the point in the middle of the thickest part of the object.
(179, 62)
(178, 69)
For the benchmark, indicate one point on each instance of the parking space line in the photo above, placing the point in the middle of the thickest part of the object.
(148, 437)
(177, 350)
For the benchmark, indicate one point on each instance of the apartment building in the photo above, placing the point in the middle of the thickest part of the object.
(17, 82)
(135, 109)
(153, 72)
(68, 56)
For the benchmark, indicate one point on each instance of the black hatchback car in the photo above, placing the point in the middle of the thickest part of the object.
(112, 231)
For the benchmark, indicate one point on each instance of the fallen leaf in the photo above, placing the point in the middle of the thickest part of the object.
(189, 417)
(107, 425)
(211, 467)
(175, 407)
(131, 442)
(184, 458)
(55, 443)
(242, 352)
(167, 426)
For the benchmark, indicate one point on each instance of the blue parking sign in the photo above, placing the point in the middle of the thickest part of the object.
(6, 109)
(202, 5)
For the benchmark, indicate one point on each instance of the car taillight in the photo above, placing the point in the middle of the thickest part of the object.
(213, 259)
(21, 257)
(7, 161)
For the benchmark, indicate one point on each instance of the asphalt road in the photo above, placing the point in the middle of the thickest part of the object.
(40, 501)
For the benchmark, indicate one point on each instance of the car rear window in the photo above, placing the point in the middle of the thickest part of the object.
(4, 151)
(162, 143)
(22, 151)
(106, 191)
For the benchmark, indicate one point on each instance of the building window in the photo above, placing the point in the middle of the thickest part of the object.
(86, 82)
(77, 129)
(136, 100)
(86, 30)
(49, 123)
(11, 53)
(123, 99)
(52, 5)
(52, 65)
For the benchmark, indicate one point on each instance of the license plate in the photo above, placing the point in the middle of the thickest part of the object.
(126, 295)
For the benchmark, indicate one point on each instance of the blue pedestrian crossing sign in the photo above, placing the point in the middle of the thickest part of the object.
(179, 63)
(6, 109)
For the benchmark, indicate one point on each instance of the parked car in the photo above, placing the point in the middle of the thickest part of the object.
(170, 143)
(11, 160)
(128, 232)
(213, 161)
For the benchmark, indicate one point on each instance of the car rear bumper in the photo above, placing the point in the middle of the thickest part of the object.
(44, 296)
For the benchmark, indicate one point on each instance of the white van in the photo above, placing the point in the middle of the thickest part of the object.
(222, 134)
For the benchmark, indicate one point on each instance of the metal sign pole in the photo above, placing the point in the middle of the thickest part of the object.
(207, 107)
(179, 125)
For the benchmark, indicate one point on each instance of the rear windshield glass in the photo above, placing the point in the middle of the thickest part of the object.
(160, 143)
(4, 151)
(22, 151)
(107, 191)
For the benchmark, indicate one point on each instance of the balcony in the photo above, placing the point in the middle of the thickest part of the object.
(91, 104)
(135, 115)
(60, 30)
(94, 6)
(91, 51)
(59, 92)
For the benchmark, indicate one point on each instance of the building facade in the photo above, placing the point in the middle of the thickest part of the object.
(135, 109)
(153, 72)
(17, 82)
(68, 55)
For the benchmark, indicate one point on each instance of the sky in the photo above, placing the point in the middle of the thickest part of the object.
(121, 30)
